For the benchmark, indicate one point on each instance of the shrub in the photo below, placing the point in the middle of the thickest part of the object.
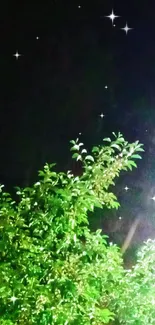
(53, 269)
(134, 301)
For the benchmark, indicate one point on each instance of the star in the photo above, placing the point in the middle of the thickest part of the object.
(126, 28)
(13, 299)
(16, 55)
(153, 198)
(101, 115)
(112, 16)
(106, 87)
(79, 7)
(37, 37)
(126, 188)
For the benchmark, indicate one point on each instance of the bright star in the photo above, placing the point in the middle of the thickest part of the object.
(16, 55)
(13, 299)
(126, 28)
(112, 16)
(37, 37)
(126, 188)
(79, 7)
(106, 87)
(153, 198)
(101, 115)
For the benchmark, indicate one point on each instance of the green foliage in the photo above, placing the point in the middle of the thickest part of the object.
(53, 269)
(134, 301)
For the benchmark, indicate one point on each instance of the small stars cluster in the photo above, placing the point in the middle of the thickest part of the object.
(112, 17)
(17, 54)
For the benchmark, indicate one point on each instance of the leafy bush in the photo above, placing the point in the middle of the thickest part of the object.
(134, 301)
(53, 269)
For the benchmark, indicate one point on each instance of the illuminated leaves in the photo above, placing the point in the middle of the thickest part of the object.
(61, 272)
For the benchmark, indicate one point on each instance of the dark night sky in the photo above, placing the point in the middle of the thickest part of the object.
(56, 88)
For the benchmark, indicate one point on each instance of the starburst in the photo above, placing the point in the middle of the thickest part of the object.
(112, 16)
(13, 299)
(17, 55)
(102, 115)
(126, 28)
(126, 188)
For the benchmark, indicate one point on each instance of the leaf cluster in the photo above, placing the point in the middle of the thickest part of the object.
(53, 270)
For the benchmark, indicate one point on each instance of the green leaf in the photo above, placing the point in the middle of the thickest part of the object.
(95, 149)
(120, 140)
(52, 165)
(89, 158)
(136, 156)
(79, 158)
(107, 139)
(76, 147)
(72, 141)
(114, 145)
(132, 163)
(84, 151)
(75, 155)
(140, 149)
(129, 166)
